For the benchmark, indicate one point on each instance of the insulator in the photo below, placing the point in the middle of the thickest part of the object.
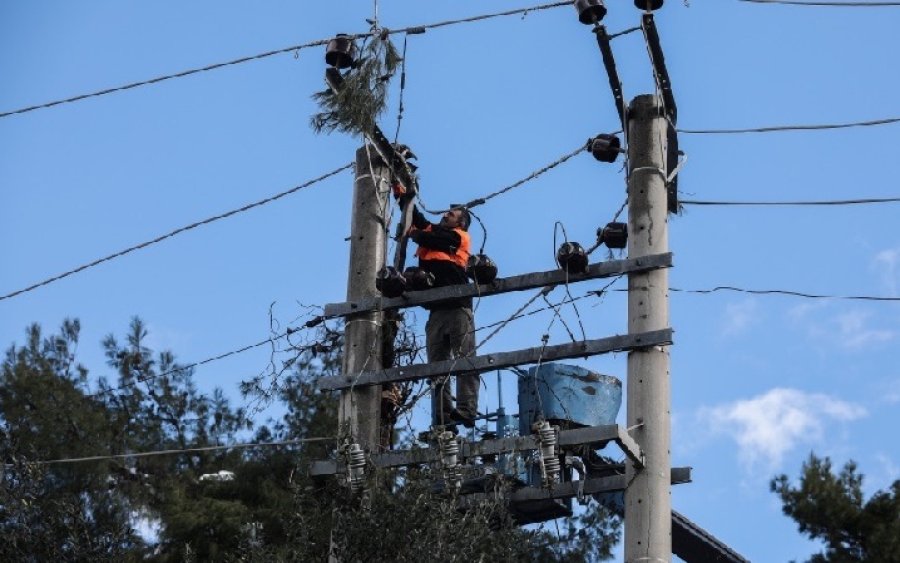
(613, 235)
(550, 466)
(481, 269)
(590, 11)
(648, 5)
(390, 282)
(605, 147)
(418, 279)
(356, 467)
(449, 448)
(572, 258)
(340, 52)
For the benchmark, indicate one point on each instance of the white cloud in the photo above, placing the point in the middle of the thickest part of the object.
(740, 316)
(892, 394)
(803, 311)
(854, 332)
(768, 426)
(888, 261)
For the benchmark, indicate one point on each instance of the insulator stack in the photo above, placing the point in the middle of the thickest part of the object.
(418, 279)
(572, 258)
(340, 52)
(356, 467)
(389, 282)
(481, 269)
(449, 448)
(590, 11)
(605, 147)
(613, 235)
(648, 5)
(550, 466)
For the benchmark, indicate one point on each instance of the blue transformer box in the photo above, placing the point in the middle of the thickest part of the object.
(567, 396)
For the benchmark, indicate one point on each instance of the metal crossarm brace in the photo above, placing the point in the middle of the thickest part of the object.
(503, 285)
(659, 65)
(695, 545)
(568, 490)
(629, 447)
(596, 435)
(500, 360)
(609, 62)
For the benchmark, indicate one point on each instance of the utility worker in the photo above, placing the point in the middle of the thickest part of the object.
(443, 251)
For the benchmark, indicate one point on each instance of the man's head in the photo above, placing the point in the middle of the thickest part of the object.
(456, 217)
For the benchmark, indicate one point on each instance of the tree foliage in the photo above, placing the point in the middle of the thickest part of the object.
(356, 107)
(830, 507)
(272, 510)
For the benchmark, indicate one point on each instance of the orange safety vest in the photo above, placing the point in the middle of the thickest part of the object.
(460, 258)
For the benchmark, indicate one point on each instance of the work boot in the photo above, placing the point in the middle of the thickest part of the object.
(467, 421)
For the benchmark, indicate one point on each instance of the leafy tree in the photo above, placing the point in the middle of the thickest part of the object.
(66, 510)
(830, 507)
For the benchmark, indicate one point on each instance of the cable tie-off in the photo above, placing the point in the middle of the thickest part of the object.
(315, 321)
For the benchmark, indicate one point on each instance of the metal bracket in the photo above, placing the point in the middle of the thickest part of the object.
(651, 35)
(499, 360)
(609, 62)
(503, 285)
(597, 435)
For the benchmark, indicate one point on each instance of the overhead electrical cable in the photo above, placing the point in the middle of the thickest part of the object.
(291, 49)
(775, 128)
(484, 199)
(150, 377)
(175, 232)
(786, 292)
(182, 451)
(794, 203)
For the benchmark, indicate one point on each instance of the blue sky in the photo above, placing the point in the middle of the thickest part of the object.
(757, 381)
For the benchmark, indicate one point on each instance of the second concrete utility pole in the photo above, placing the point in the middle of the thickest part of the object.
(648, 502)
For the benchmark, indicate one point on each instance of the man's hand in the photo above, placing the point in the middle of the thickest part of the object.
(399, 190)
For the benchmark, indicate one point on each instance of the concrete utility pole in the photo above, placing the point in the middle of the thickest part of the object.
(360, 408)
(648, 501)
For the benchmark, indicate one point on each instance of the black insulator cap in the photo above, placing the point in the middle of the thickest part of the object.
(590, 11)
(613, 235)
(648, 4)
(606, 148)
(389, 282)
(572, 258)
(340, 52)
(418, 279)
(481, 269)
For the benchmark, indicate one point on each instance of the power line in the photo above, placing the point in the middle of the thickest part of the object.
(181, 450)
(149, 377)
(175, 232)
(774, 128)
(484, 199)
(828, 4)
(141, 379)
(291, 49)
(788, 203)
(786, 292)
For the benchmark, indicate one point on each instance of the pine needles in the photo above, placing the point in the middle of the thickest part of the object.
(362, 99)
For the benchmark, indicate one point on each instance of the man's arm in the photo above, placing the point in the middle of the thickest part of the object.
(437, 238)
(419, 221)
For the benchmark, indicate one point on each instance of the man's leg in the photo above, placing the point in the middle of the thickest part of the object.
(438, 347)
(467, 383)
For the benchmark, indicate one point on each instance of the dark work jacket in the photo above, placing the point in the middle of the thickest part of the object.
(445, 272)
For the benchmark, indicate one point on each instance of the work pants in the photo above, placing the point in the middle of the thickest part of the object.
(450, 335)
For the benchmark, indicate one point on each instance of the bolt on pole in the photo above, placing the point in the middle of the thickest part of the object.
(648, 502)
(359, 413)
